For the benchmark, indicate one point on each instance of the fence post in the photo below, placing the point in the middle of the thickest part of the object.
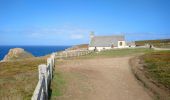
(43, 73)
(40, 72)
(66, 54)
(49, 63)
(53, 59)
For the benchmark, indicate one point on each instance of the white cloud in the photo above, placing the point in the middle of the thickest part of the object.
(69, 32)
(76, 36)
(52, 35)
(35, 35)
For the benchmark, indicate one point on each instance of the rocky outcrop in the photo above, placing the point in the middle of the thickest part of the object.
(17, 53)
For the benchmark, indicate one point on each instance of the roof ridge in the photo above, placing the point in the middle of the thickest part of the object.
(106, 40)
(109, 36)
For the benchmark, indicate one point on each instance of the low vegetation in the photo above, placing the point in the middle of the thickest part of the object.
(81, 46)
(18, 79)
(158, 66)
(164, 43)
(58, 84)
(118, 52)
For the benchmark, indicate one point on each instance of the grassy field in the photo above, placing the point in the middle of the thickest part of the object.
(118, 53)
(58, 84)
(158, 66)
(18, 79)
(164, 43)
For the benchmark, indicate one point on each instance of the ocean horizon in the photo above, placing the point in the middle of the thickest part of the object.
(34, 50)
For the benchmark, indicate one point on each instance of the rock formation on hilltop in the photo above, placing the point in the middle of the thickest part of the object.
(17, 53)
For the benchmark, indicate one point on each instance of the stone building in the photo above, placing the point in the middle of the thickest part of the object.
(106, 42)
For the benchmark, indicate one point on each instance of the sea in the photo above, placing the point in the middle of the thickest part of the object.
(35, 50)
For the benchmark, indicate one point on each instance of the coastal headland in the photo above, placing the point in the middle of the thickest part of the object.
(94, 76)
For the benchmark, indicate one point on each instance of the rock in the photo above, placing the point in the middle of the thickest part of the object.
(17, 53)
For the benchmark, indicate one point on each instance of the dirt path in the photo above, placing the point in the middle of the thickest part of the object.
(101, 79)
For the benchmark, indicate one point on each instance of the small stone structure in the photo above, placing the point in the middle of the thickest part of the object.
(106, 42)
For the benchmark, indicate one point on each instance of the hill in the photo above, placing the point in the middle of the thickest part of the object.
(164, 43)
(17, 53)
(76, 47)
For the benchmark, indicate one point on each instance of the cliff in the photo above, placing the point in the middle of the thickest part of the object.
(17, 53)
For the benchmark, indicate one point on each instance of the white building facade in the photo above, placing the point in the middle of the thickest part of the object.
(99, 43)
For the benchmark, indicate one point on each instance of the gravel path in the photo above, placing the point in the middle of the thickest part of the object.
(101, 79)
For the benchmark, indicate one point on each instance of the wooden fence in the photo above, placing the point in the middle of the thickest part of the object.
(45, 77)
(72, 53)
(45, 72)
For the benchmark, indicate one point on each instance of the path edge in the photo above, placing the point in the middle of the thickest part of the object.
(153, 90)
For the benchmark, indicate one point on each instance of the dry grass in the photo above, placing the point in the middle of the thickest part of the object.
(81, 46)
(164, 43)
(158, 66)
(18, 79)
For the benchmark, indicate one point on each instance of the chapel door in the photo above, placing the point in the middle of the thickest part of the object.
(112, 46)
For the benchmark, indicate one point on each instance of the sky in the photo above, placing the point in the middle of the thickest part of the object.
(69, 22)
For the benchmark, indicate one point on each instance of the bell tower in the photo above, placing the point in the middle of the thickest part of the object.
(91, 35)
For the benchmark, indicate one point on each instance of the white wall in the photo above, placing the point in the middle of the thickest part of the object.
(100, 48)
(103, 48)
(91, 48)
(123, 44)
(133, 46)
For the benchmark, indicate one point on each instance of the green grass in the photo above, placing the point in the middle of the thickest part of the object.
(158, 66)
(58, 83)
(18, 79)
(117, 53)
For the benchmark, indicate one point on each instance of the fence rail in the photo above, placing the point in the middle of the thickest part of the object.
(45, 77)
(72, 53)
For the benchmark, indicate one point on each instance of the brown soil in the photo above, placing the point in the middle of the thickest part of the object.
(101, 79)
(156, 90)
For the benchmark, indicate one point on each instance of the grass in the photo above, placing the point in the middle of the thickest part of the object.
(117, 53)
(164, 43)
(158, 66)
(18, 79)
(58, 83)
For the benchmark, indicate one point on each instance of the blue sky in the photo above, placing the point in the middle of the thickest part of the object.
(68, 22)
